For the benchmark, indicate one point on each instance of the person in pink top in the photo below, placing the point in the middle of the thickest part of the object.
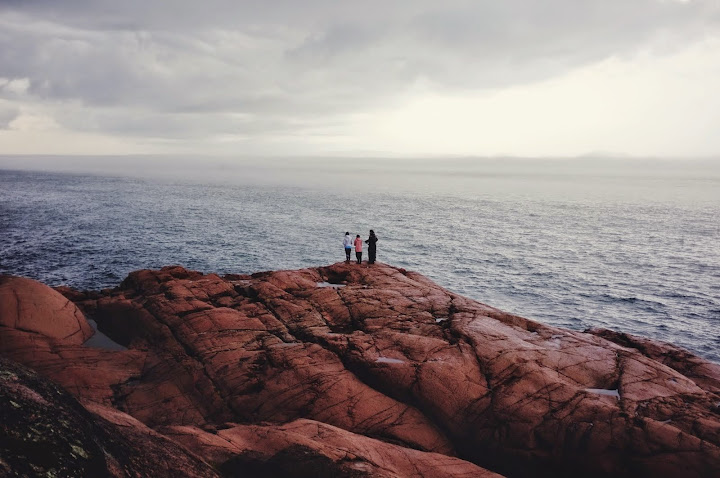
(358, 248)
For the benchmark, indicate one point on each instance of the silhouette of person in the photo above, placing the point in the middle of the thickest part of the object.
(372, 247)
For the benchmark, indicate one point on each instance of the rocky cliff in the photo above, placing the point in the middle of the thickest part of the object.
(343, 370)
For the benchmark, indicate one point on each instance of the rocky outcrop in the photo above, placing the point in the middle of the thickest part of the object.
(30, 306)
(44, 431)
(43, 329)
(705, 374)
(377, 371)
(308, 448)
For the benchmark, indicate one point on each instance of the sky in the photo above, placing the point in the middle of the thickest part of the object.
(552, 78)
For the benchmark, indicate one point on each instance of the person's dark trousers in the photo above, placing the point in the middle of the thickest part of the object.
(359, 257)
(347, 254)
(371, 256)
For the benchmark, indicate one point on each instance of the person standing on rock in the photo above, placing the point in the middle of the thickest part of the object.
(358, 249)
(347, 243)
(371, 242)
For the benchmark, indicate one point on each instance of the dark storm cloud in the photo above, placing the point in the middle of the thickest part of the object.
(168, 69)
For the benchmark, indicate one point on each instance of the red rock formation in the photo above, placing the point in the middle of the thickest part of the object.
(705, 374)
(45, 432)
(28, 305)
(39, 327)
(364, 355)
(310, 448)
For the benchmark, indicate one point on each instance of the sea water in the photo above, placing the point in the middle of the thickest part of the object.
(627, 245)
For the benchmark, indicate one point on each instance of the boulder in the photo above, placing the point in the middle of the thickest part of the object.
(31, 306)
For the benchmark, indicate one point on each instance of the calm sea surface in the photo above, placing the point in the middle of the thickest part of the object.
(631, 246)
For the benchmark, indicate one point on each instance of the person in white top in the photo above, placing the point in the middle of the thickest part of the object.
(348, 243)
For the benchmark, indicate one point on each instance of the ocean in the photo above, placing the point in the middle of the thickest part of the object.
(630, 245)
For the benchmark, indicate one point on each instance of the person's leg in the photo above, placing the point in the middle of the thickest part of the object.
(371, 256)
(347, 255)
(359, 257)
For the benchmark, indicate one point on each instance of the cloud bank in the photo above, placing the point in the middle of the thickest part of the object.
(558, 77)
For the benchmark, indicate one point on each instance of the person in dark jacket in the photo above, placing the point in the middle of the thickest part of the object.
(371, 242)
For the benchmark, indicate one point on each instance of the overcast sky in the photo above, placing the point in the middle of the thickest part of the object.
(410, 77)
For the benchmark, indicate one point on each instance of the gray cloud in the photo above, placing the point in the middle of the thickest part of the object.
(7, 115)
(195, 69)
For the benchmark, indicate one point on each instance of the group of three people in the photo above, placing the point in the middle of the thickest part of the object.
(371, 241)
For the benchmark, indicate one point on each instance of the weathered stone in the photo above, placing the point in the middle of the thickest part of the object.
(705, 374)
(28, 305)
(44, 431)
(315, 449)
(379, 353)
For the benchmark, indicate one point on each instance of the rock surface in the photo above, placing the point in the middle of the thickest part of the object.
(310, 448)
(31, 306)
(44, 431)
(351, 370)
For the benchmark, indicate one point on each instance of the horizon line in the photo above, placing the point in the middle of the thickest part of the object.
(374, 155)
